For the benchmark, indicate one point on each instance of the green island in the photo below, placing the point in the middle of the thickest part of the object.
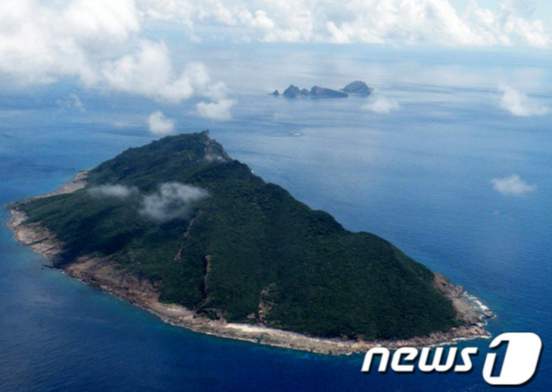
(183, 230)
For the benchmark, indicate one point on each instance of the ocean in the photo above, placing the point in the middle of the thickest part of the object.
(420, 163)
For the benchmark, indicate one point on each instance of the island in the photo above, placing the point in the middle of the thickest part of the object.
(181, 229)
(355, 88)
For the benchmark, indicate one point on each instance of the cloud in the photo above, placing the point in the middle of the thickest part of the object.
(149, 72)
(40, 41)
(77, 103)
(518, 103)
(100, 44)
(216, 110)
(115, 191)
(512, 186)
(513, 25)
(361, 21)
(171, 201)
(159, 125)
(382, 105)
(72, 102)
(525, 8)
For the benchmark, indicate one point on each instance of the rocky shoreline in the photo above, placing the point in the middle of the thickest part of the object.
(103, 274)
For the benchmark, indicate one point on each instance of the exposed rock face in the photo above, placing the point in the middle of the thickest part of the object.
(35, 236)
(455, 294)
(104, 275)
(292, 92)
(358, 87)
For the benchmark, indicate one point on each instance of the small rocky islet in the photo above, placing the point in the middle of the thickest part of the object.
(357, 87)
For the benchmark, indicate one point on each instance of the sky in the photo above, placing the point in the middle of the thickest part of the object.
(118, 45)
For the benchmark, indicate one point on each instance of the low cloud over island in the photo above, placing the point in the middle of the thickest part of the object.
(172, 200)
(115, 191)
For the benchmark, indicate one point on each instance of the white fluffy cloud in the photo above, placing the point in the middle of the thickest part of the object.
(115, 191)
(41, 40)
(160, 125)
(365, 21)
(215, 110)
(519, 104)
(381, 105)
(100, 43)
(512, 186)
(171, 201)
(149, 72)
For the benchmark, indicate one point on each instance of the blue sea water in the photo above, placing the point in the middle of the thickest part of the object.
(419, 176)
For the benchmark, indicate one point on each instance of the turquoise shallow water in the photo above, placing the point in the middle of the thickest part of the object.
(420, 177)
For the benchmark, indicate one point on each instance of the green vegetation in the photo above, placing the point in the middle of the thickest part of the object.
(249, 252)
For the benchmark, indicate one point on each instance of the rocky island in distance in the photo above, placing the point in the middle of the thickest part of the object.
(355, 88)
(192, 235)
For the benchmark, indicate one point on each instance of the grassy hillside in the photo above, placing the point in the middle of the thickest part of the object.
(221, 241)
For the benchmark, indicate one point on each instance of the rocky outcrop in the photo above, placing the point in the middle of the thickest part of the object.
(292, 92)
(315, 92)
(356, 88)
(35, 236)
(467, 313)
